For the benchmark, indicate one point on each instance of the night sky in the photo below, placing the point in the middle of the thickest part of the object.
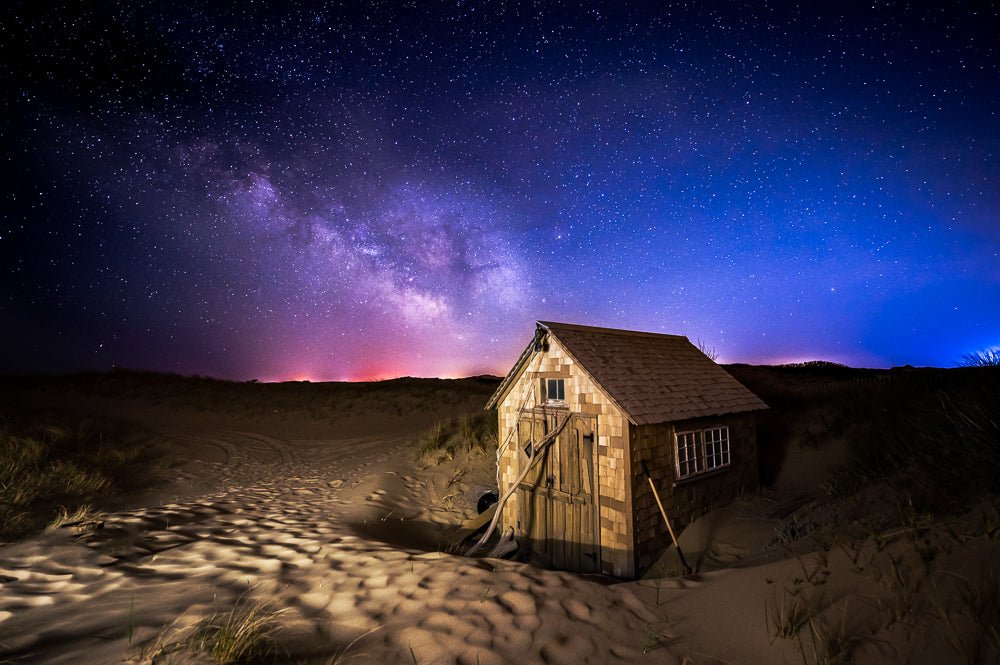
(353, 192)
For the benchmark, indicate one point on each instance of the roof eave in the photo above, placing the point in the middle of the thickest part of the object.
(691, 416)
(512, 376)
(593, 379)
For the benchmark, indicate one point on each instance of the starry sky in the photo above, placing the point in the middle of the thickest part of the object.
(347, 191)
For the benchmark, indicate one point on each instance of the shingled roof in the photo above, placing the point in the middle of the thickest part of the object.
(652, 377)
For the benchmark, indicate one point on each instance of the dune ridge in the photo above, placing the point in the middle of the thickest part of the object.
(323, 516)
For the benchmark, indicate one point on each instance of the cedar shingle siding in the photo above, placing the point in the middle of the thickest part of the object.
(636, 390)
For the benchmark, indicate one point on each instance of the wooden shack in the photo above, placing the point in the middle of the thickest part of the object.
(599, 402)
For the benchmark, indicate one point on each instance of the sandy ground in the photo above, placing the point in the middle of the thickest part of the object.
(345, 532)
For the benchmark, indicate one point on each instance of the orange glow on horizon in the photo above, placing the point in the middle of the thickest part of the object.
(381, 374)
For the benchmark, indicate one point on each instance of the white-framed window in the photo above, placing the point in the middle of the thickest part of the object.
(553, 391)
(702, 450)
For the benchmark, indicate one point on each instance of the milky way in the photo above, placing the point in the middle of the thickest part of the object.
(403, 188)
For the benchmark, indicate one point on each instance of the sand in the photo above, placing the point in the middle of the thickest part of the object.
(294, 539)
(347, 537)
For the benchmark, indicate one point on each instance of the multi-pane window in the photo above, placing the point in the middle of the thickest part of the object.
(553, 390)
(716, 443)
(688, 447)
(702, 450)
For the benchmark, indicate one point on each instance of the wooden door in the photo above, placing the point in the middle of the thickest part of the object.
(557, 510)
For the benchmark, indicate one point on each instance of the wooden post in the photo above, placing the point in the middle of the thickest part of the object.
(673, 537)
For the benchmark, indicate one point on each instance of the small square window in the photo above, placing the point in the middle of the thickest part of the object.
(553, 390)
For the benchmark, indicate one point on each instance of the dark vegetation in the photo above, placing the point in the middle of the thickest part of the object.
(48, 470)
(395, 397)
(924, 443)
(470, 432)
(71, 442)
(984, 358)
(931, 434)
(915, 506)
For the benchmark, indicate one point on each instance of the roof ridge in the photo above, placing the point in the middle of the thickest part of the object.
(651, 377)
(613, 331)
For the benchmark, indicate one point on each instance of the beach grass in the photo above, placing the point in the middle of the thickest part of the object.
(932, 435)
(246, 633)
(469, 432)
(50, 472)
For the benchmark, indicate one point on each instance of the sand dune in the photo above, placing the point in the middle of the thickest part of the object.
(287, 536)
(346, 537)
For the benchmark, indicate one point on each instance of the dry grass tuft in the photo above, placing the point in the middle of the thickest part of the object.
(468, 433)
(787, 615)
(51, 471)
(66, 516)
(980, 603)
(984, 358)
(931, 434)
(347, 653)
(831, 644)
(799, 615)
(246, 633)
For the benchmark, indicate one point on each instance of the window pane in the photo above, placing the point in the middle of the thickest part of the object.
(716, 447)
(555, 389)
(699, 461)
(687, 453)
